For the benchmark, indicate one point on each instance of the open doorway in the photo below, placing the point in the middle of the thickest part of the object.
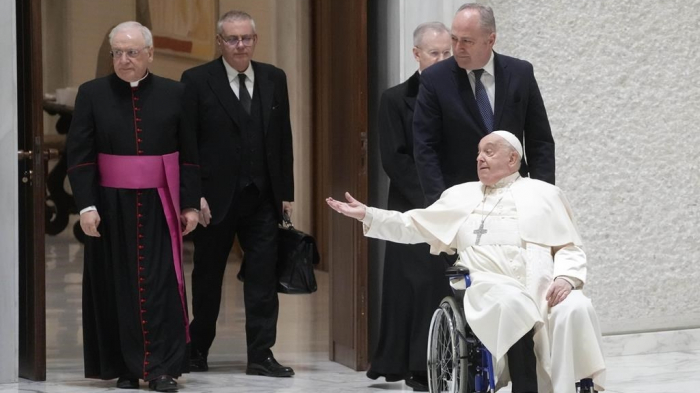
(293, 34)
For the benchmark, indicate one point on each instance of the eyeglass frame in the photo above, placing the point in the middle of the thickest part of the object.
(238, 39)
(128, 52)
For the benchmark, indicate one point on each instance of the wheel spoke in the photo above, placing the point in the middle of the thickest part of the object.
(444, 352)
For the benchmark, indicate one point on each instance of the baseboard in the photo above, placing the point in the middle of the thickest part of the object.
(651, 342)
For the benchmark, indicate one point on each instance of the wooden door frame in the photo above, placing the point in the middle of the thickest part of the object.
(32, 269)
(340, 86)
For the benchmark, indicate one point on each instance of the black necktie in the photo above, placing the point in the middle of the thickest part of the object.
(243, 94)
(482, 100)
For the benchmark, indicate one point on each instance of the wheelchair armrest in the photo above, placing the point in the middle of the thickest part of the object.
(456, 271)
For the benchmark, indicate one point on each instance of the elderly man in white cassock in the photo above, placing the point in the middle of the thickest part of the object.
(518, 238)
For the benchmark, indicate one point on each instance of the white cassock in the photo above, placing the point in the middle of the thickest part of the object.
(526, 222)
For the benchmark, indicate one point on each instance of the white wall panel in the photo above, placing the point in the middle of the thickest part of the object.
(621, 82)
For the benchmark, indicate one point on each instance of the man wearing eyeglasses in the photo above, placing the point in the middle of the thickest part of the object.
(241, 111)
(133, 170)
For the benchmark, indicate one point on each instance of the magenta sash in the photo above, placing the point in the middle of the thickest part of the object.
(163, 173)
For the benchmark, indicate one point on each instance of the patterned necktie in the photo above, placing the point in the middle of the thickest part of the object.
(243, 94)
(482, 100)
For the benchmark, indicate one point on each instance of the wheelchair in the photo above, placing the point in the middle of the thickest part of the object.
(457, 361)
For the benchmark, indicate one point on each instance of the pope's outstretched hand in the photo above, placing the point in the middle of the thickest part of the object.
(353, 208)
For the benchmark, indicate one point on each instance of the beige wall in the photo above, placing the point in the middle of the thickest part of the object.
(73, 31)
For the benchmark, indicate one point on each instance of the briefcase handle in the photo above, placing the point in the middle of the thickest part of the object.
(286, 221)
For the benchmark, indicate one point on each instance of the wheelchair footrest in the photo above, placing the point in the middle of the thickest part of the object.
(585, 386)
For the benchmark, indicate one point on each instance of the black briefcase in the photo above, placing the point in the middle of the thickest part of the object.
(297, 257)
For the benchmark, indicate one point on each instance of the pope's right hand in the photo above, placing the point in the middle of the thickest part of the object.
(352, 208)
(89, 221)
(204, 212)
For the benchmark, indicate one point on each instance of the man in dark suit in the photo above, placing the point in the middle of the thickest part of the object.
(414, 282)
(462, 99)
(468, 96)
(241, 111)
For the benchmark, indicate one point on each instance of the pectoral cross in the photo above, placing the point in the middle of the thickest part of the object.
(480, 231)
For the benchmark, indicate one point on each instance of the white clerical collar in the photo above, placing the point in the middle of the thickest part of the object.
(506, 181)
(136, 84)
(232, 73)
(488, 68)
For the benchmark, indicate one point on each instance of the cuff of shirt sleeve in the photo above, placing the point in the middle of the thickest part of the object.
(573, 281)
(367, 220)
(88, 209)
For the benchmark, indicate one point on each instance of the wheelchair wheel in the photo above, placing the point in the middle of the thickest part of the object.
(447, 350)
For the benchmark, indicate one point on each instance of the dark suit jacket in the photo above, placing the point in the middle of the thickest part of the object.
(211, 105)
(447, 126)
(396, 144)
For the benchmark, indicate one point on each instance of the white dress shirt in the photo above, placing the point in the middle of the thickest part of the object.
(235, 82)
(488, 79)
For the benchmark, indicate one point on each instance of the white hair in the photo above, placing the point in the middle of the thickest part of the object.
(423, 28)
(147, 36)
(512, 143)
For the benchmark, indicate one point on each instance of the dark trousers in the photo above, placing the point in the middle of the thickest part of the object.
(253, 217)
(522, 364)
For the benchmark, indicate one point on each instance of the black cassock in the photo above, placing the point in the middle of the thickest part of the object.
(414, 282)
(134, 323)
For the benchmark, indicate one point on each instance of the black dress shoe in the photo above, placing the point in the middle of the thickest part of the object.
(198, 361)
(417, 383)
(164, 383)
(127, 383)
(269, 368)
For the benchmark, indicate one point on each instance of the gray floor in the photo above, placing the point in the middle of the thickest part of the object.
(302, 343)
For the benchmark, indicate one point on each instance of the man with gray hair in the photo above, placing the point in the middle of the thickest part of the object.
(412, 286)
(518, 239)
(470, 95)
(241, 111)
(133, 168)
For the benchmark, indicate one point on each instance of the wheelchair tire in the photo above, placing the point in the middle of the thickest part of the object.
(447, 349)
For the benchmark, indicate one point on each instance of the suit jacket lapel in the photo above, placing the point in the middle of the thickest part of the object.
(266, 89)
(218, 82)
(465, 91)
(502, 81)
(412, 85)
(410, 102)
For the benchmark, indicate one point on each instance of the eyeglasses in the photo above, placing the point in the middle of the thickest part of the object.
(131, 53)
(246, 40)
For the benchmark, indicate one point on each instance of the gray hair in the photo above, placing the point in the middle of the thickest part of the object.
(232, 16)
(511, 150)
(147, 36)
(486, 18)
(423, 28)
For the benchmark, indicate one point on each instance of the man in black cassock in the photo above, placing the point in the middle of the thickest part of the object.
(135, 323)
(414, 281)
